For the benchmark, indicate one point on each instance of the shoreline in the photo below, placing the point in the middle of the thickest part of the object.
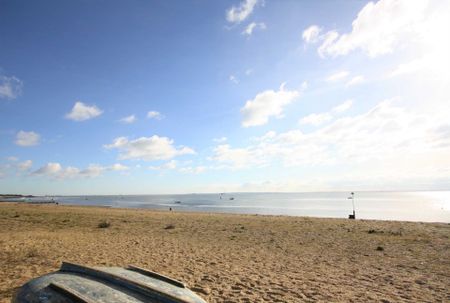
(186, 211)
(235, 257)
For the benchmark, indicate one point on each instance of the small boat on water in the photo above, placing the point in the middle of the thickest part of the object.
(231, 198)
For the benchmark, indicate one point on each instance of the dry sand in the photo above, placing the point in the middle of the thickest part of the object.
(234, 258)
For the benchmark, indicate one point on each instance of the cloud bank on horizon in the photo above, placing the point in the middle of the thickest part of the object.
(262, 101)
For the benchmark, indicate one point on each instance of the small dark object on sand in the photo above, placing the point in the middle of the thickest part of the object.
(104, 224)
(380, 248)
(77, 283)
(170, 226)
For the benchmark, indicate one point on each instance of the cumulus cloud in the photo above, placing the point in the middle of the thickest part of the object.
(220, 139)
(327, 40)
(148, 148)
(154, 115)
(234, 158)
(430, 46)
(10, 87)
(93, 170)
(193, 169)
(82, 112)
(316, 119)
(343, 75)
(128, 119)
(25, 165)
(237, 14)
(49, 169)
(172, 164)
(266, 104)
(57, 171)
(337, 76)
(343, 106)
(234, 79)
(378, 29)
(26, 139)
(355, 81)
(253, 26)
(386, 138)
(119, 167)
(321, 118)
(311, 34)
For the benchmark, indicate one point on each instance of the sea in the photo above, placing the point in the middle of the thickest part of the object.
(430, 206)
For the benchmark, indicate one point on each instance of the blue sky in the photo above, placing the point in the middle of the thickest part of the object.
(142, 97)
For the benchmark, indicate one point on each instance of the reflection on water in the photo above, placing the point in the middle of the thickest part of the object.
(411, 206)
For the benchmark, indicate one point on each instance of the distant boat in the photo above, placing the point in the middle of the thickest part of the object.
(177, 202)
(231, 198)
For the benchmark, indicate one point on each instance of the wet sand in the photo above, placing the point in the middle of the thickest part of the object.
(234, 258)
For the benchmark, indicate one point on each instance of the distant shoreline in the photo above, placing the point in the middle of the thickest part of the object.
(187, 211)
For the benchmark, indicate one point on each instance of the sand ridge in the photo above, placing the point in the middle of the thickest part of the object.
(234, 258)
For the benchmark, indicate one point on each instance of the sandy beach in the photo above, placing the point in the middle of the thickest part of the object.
(234, 258)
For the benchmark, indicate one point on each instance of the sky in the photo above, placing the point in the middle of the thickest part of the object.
(154, 97)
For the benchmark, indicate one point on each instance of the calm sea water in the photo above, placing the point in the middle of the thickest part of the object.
(406, 206)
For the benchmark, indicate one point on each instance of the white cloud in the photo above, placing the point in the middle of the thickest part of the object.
(49, 169)
(25, 165)
(234, 79)
(220, 140)
(172, 164)
(12, 159)
(267, 104)
(311, 34)
(430, 47)
(248, 71)
(93, 170)
(128, 119)
(82, 112)
(24, 138)
(343, 107)
(57, 171)
(386, 139)
(316, 119)
(337, 76)
(241, 12)
(69, 173)
(379, 28)
(234, 157)
(10, 87)
(253, 26)
(355, 80)
(154, 115)
(119, 167)
(328, 39)
(148, 148)
(193, 169)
